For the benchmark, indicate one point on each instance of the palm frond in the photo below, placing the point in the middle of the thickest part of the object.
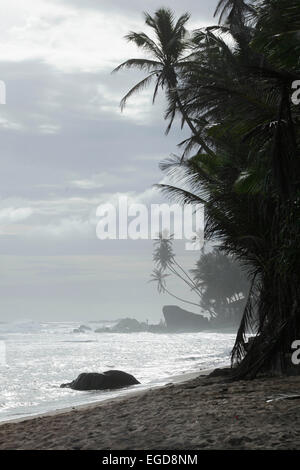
(140, 64)
(137, 88)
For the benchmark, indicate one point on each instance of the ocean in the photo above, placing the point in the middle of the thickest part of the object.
(37, 357)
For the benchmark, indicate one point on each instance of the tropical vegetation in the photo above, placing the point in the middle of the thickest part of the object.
(217, 282)
(232, 85)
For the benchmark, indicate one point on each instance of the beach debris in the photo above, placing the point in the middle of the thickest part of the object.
(284, 396)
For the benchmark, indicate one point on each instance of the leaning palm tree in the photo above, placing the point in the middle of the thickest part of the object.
(166, 265)
(166, 59)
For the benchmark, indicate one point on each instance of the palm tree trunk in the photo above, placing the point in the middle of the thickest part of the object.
(179, 298)
(192, 127)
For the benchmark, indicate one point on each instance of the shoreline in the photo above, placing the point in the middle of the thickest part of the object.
(200, 413)
(131, 391)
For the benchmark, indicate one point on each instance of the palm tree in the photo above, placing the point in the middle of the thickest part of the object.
(251, 188)
(167, 59)
(223, 285)
(233, 11)
(166, 265)
(235, 96)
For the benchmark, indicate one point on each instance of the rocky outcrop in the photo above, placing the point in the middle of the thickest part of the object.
(109, 380)
(179, 320)
(131, 325)
(82, 329)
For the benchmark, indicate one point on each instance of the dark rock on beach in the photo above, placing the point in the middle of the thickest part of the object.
(111, 379)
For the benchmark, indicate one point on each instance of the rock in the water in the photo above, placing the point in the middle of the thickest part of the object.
(179, 320)
(82, 329)
(110, 379)
(130, 325)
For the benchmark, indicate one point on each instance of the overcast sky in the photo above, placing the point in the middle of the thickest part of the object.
(66, 148)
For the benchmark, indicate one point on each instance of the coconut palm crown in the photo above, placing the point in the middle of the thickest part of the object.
(167, 58)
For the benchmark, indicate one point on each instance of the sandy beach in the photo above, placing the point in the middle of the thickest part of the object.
(202, 413)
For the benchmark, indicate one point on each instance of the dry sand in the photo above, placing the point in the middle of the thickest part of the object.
(203, 413)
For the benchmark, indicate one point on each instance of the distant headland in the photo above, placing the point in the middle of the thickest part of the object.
(175, 320)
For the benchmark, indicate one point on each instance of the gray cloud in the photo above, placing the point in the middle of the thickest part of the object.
(202, 8)
(65, 148)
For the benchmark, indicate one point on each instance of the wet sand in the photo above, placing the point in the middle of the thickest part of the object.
(203, 413)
